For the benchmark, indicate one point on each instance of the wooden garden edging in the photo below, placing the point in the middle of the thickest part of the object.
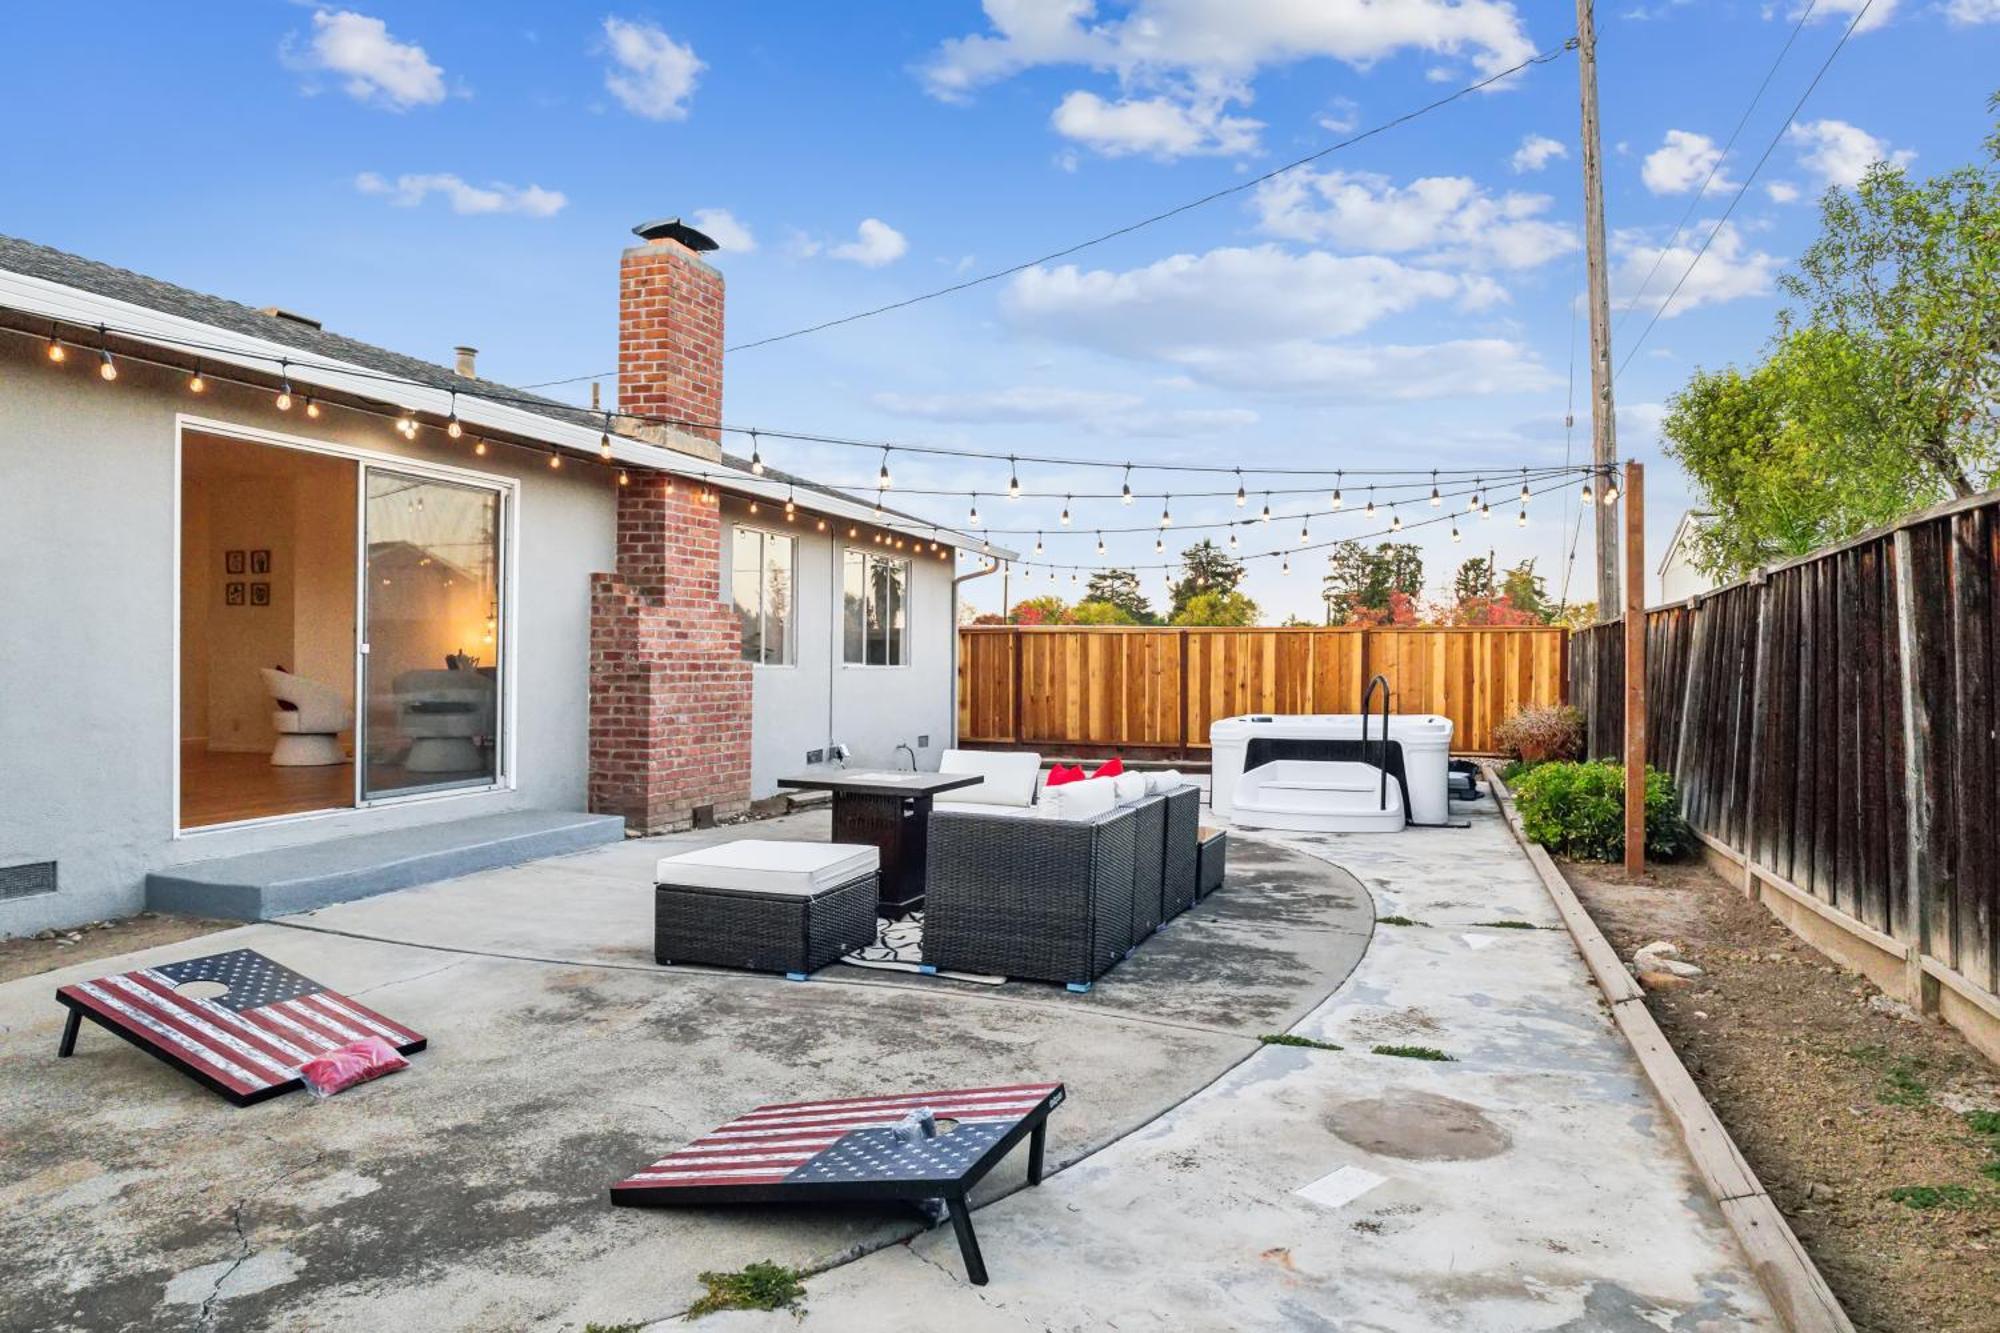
(1834, 726)
(1159, 688)
(1786, 1272)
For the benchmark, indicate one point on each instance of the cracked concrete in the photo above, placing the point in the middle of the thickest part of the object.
(470, 1192)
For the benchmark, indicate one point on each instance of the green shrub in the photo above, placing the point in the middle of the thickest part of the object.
(1540, 734)
(1579, 811)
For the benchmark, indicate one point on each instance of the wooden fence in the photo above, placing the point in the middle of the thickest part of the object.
(1144, 688)
(1833, 726)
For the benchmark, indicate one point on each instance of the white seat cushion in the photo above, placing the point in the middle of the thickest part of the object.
(1009, 776)
(1080, 800)
(761, 865)
(1130, 787)
(973, 808)
(1166, 779)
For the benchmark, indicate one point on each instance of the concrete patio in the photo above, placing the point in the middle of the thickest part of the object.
(1531, 1183)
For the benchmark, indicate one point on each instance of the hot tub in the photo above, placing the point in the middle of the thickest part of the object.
(1425, 742)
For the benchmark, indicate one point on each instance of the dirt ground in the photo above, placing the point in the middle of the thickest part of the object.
(26, 955)
(1877, 1136)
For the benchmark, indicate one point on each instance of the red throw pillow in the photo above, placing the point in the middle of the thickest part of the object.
(1060, 775)
(1110, 768)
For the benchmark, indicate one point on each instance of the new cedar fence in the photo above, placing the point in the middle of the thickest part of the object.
(1111, 687)
(1833, 726)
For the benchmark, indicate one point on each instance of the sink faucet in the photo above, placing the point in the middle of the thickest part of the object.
(900, 748)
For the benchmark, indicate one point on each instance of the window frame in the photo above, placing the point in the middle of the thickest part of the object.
(905, 638)
(766, 536)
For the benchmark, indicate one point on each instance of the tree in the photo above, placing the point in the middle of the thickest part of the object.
(1358, 579)
(1207, 568)
(1398, 609)
(1880, 391)
(1091, 611)
(1527, 591)
(1474, 579)
(1047, 609)
(1120, 587)
(1217, 608)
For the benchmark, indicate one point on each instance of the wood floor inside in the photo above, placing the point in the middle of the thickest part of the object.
(218, 788)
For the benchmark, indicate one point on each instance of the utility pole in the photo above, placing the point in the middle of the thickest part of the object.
(1603, 419)
(1635, 669)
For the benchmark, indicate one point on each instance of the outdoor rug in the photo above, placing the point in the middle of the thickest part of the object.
(899, 947)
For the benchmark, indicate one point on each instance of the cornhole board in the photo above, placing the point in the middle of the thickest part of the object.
(808, 1152)
(246, 1043)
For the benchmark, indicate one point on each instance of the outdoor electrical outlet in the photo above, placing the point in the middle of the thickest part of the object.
(924, 741)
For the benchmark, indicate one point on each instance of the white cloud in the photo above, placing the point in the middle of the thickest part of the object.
(1448, 219)
(730, 234)
(1782, 192)
(373, 66)
(1536, 151)
(409, 190)
(1158, 126)
(1264, 319)
(1729, 271)
(876, 244)
(1973, 11)
(1840, 153)
(1343, 115)
(1099, 412)
(1208, 39)
(652, 75)
(1682, 162)
(1844, 11)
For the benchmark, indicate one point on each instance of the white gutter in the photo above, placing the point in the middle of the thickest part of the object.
(225, 347)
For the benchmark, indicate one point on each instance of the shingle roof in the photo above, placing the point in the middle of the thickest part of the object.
(118, 284)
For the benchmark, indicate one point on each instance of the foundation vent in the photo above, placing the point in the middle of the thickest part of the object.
(27, 879)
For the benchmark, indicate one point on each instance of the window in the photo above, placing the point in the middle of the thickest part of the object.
(760, 582)
(875, 594)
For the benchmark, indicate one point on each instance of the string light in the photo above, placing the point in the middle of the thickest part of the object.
(1395, 519)
(479, 446)
(1369, 510)
(555, 461)
(624, 477)
(756, 458)
(1100, 543)
(1524, 486)
(1038, 543)
(1436, 499)
(1485, 511)
(1338, 477)
(196, 384)
(822, 525)
(1265, 517)
(1454, 530)
(1232, 536)
(882, 477)
(312, 408)
(56, 351)
(105, 368)
(790, 507)
(1522, 521)
(453, 429)
(1586, 490)
(1167, 513)
(1159, 544)
(1240, 497)
(1287, 566)
(1610, 487)
(1478, 485)
(1125, 492)
(1013, 479)
(881, 513)
(975, 509)
(1305, 532)
(604, 446)
(1065, 512)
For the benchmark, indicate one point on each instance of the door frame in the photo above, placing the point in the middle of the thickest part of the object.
(508, 629)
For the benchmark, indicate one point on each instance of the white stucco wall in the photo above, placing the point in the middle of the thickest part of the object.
(87, 633)
(820, 701)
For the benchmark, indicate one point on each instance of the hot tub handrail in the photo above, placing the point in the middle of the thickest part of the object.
(1382, 763)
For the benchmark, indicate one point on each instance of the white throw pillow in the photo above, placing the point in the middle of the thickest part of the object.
(1130, 787)
(1167, 779)
(1080, 800)
(1009, 776)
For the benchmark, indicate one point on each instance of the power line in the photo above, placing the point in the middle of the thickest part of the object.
(1541, 58)
(1714, 167)
(1745, 186)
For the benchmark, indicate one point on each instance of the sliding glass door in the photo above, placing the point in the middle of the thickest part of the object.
(430, 650)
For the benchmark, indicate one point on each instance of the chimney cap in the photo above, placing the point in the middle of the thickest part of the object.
(673, 229)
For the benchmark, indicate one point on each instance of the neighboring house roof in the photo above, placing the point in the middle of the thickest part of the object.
(78, 274)
(1692, 522)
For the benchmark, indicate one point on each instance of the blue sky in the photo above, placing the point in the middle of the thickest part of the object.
(424, 175)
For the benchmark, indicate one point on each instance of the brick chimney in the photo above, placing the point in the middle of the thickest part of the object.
(669, 689)
(670, 333)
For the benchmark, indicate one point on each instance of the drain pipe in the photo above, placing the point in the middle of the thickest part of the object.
(991, 568)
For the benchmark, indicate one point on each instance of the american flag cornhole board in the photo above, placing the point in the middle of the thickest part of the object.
(845, 1150)
(246, 1043)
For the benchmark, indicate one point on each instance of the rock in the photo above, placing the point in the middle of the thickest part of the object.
(1821, 1192)
(1886, 1004)
(1658, 981)
(1650, 959)
(1659, 949)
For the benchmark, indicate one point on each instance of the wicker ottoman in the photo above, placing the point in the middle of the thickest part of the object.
(1210, 858)
(790, 907)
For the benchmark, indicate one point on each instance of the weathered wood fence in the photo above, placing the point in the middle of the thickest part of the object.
(1834, 728)
(1146, 688)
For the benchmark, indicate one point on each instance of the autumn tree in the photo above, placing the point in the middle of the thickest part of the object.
(1205, 568)
(1120, 588)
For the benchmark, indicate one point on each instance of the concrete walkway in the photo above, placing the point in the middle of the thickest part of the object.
(1530, 1183)
(470, 1192)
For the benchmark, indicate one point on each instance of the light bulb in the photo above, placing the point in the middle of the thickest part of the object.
(1013, 481)
(453, 429)
(1287, 567)
(975, 513)
(1305, 533)
(1125, 491)
(1473, 503)
(1586, 490)
(1159, 543)
(1525, 497)
(1232, 538)
(555, 460)
(1265, 517)
(196, 384)
(1485, 512)
(1522, 521)
(624, 477)
(1100, 543)
(105, 367)
(1368, 511)
(756, 458)
(1436, 499)
(882, 477)
(790, 507)
(479, 447)
(1610, 490)
(1395, 520)
(1038, 543)
(1065, 512)
(57, 352)
(1338, 503)
(284, 398)
(312, 408)
(1166, 515)
(603, 442)
(1454, 532)
(1240, 497)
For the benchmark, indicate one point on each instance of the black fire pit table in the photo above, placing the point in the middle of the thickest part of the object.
(890, 811)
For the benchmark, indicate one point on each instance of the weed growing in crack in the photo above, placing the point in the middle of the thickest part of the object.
(1414, 1052)
(1398, 921)
(760, 1286)
(1507, 925)
(1287, 1039)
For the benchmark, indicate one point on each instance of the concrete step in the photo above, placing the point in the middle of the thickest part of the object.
(257, 886)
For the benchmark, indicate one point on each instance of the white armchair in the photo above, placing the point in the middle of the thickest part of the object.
(308, 719)
(442, 713)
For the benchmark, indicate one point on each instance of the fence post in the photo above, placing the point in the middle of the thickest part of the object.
(1759, 766)
(1921, 988)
